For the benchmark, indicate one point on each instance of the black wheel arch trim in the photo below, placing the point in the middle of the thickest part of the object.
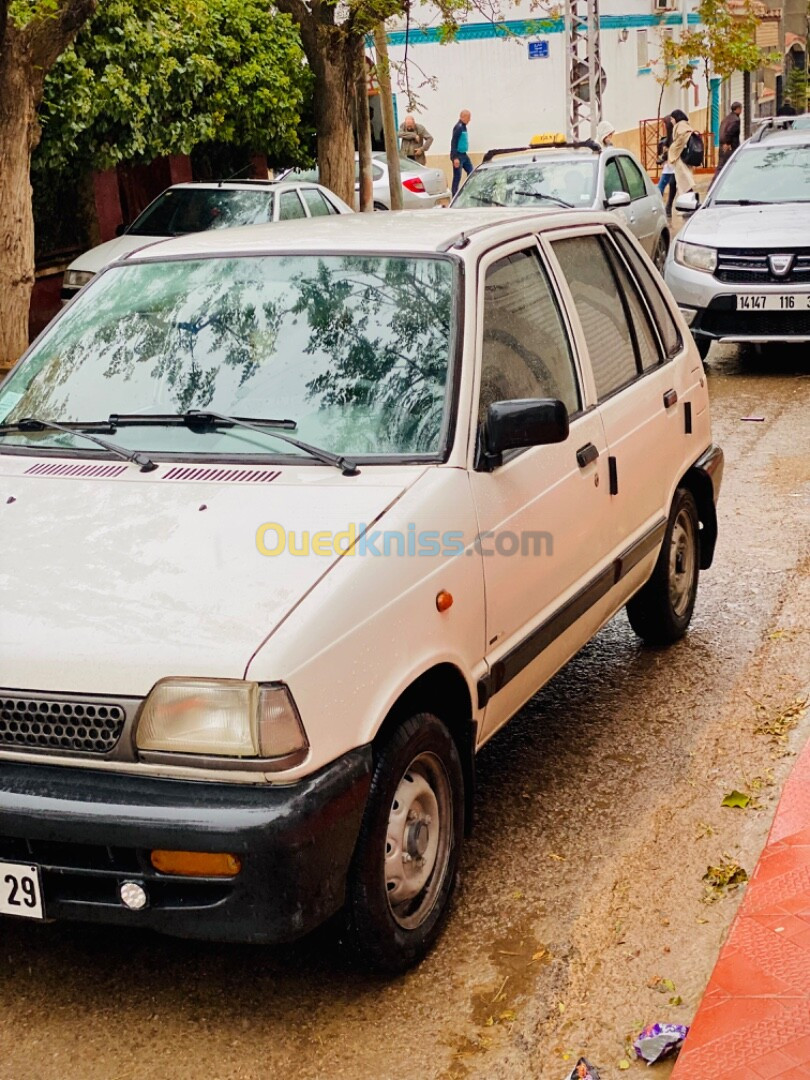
(704, 479)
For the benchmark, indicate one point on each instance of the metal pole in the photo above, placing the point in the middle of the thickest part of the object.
(389, 121)
(570, 60)
(593, 64)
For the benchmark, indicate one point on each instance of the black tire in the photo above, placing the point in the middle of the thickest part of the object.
(661, 611)
(390, 926)
(380, 206)
(660, 254)
(703, 346)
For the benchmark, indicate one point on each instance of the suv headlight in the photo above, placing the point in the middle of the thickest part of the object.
(696, 257)
(74, 279)
(221, 718)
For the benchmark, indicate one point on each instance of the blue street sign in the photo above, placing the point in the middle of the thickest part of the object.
(538, 50)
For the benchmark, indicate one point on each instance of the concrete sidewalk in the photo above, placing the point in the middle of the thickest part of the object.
(754, 1020)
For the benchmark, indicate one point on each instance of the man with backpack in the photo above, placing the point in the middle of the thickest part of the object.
(685, 151)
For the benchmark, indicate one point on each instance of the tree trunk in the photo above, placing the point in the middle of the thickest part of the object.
(366, 182)
(389, 123)
(18, 136)
(334, 70)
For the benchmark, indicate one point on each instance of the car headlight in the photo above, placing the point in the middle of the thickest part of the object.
(74, 279)
(696, 257)
(221, 718)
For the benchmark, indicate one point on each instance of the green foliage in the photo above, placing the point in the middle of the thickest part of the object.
(147, 78)
(21, 12)
(796, 88)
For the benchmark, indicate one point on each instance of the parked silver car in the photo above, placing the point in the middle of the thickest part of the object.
(422, 188)
(578, 175)
(740, 268)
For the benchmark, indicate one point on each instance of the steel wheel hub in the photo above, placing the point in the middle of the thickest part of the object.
(418, 840)
(681, 563)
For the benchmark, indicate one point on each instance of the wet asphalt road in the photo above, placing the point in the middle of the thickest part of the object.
(598, 812)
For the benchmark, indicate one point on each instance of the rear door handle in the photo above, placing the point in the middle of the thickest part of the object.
(670, 398)
(586, 455)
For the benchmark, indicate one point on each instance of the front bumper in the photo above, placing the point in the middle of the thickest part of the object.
(710, 309)
(92, 831)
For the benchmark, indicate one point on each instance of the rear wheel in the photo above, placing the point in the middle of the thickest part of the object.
(405, 863)
(662, 610)
(380, 206)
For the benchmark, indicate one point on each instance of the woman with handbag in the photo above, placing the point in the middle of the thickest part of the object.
(681, 133)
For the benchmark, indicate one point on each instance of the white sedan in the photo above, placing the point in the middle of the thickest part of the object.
(422, 188)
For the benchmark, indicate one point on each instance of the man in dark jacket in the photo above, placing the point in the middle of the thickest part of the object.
(729, 135)
(459, 145)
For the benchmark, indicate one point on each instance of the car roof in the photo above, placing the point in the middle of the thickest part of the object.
(239, 185)
(415, 231)
(778, 137)
(539, 153)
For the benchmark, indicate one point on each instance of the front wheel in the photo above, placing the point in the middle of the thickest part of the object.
(661, 611)
(405, 864)
(660, 254)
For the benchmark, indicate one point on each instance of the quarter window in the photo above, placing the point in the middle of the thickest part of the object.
(667, 327)
(526, 350)
(316, 203)
(601, 311)
(634, 181)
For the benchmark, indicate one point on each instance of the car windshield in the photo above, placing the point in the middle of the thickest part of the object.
(188, 210)
(766, 174)
(356, 350)
(523, 184)
(801, 123)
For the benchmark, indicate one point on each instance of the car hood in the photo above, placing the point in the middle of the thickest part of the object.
(769, 227)
(110, 582)
(97, 258)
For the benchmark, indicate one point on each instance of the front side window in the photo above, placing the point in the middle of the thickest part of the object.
(355, 350)
(187, 210)
(601, 311)
(531, 183)
(634, 181)
(526, 352)
(613, 178)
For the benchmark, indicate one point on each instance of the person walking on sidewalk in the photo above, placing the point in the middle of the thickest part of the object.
(414, 139)
(666, 183)
(459, 145)
(729, 135)
(681, 131)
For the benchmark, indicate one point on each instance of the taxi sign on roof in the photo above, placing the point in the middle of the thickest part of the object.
(548, 138)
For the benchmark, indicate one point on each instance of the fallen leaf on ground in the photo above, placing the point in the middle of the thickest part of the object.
(736, 799)
(508, 1015)
(677, 1000)
(624, 1064)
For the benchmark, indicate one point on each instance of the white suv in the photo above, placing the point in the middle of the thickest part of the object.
(295, 518)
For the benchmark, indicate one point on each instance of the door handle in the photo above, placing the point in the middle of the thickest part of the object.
(586, 455)
(670, 397)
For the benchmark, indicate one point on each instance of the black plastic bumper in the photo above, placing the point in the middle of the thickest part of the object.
(722, 319)
(92, 831)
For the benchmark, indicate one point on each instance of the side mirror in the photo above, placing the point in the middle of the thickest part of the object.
(688, 203)
(120, 229)
(617, 200)
(513, 425)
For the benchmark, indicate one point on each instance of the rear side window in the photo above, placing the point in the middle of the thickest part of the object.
(634, 181)
(601, 311)
(526, 351)
(290, 207)
(652, 290)
(649, 353)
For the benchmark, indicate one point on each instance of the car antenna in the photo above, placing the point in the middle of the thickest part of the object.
(237, 173)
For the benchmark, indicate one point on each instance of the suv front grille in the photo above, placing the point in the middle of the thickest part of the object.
(45, 724)
(749, 266)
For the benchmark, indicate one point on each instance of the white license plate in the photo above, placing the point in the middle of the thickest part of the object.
(20, 891)
(773, 302)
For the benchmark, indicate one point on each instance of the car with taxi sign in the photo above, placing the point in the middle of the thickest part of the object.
(740, 267)
(295, 518)
(579, 175)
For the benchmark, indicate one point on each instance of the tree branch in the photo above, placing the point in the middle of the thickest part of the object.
(49, 36)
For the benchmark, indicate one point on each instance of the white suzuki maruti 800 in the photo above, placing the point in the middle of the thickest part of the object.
(293, 519)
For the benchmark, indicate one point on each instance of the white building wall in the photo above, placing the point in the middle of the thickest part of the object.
(512, 97)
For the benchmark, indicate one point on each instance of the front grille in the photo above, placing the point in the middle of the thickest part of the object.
(756, 323)
(44, 724)
(750, 266)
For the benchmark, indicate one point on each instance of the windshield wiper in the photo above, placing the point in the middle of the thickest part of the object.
(268, 427)
(741, 202)
(486, 200)
(32, 423)
(205, 417)
(543, 195)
